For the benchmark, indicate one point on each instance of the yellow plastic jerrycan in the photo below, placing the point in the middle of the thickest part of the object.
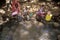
(48, 17)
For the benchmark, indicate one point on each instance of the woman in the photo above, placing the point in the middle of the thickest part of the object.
(15, 7)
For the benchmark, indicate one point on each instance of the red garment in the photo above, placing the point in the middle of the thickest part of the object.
(14, 8)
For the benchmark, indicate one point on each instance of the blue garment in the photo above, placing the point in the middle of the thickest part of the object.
(31, 14)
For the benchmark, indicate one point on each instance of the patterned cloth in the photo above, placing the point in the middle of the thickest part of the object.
(15, 6)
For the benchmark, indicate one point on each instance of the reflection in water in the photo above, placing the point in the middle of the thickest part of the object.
(12, 31)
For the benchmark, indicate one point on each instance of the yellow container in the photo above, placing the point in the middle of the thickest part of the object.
(48, 17)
